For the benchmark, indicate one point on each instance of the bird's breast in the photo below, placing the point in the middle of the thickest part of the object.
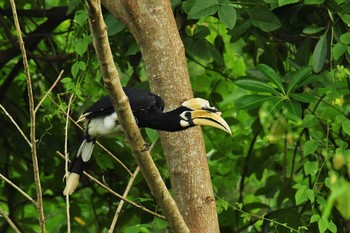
(104, 126)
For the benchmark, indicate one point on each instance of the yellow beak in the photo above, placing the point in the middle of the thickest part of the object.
(213, 119)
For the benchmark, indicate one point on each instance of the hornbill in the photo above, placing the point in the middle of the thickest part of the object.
(101, 120)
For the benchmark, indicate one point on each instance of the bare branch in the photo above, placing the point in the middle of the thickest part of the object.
(39, 205)
(66, 158)
(17, 126)
(93, 179)
(49, 91)
(10, 222)
(127, 121)
(121, 203)
(18, 189)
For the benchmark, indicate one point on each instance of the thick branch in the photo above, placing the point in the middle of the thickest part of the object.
(127, 121)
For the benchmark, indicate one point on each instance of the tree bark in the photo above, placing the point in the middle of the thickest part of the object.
(153, 25)
(125, 118)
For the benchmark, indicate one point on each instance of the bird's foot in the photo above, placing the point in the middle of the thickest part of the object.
(146, 147)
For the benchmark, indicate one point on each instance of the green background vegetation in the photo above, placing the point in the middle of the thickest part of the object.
(277, 69)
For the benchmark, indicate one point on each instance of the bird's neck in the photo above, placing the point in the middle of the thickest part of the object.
(168, 121)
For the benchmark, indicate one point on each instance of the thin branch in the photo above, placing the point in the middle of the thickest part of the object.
(127, 121)
(125, 194)
(121, 203)
(17, 126)
(66, 158)
(99, 144)
(10, 222)
(18, 189)
(49, 91)
(40, 208)
(93, 179)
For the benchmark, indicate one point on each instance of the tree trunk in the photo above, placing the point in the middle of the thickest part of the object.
(153, 26)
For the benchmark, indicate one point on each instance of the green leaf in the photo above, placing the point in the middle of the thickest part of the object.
(80, 17)
(152, 134)
(310, 168)
(75, 69)
(300, 196)
(200, 32)
(264, 19)
(286, 2)
(314, 218)
(313, 2)
(133, 49)
(332, 227)
(346, 127)
(298, 77)
(311, 30)
(271, 75)
(309, 121)
(114, 26)
(303, 97)
(203, 49)
(255, 85)
(293, 109)
(253, 101)
(82, 65)
(322, 225)
(310, 146)
(227, 15)
(345, 18)
(345, 38)
(338, 50)
(320, 53)
(311, 195)
(203, 8)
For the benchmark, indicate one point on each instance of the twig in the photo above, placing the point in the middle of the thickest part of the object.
(121, 203)
(10, 222)
(99, 144)
(125, 194)
(49, 91)
(17, 126)
(127, 121)
(66, 159)
(39, 205)
(18, 189)
(93, 179)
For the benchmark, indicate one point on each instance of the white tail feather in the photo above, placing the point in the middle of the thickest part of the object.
(85, 150)
(72, 182)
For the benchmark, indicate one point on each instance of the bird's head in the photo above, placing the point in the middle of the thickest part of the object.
(201, 113)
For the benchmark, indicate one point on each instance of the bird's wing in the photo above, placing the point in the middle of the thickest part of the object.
(140, 100)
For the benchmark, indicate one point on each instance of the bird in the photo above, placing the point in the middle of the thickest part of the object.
(148, 110)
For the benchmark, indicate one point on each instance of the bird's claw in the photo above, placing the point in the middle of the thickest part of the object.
(146, 147)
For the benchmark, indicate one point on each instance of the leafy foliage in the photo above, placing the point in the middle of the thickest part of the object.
(279, 70)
